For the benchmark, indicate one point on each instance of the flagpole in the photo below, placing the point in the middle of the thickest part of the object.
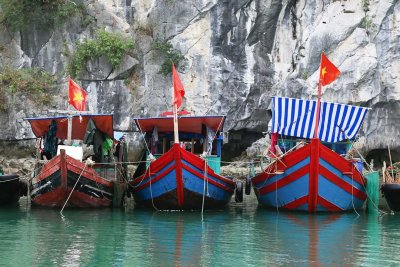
(175, 111)
(69, 120)
(176, 130)
(318, 110)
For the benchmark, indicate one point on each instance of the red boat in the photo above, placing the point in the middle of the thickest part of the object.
(66, 180)
(179, 179)
(313, 176)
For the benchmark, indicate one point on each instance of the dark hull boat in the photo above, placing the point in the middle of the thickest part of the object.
(11, 188)
(62, 175)
(312, 176)
(179, 179)
(66, 180)
(391, 192)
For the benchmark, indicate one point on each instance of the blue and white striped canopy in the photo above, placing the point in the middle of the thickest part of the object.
(296, 117)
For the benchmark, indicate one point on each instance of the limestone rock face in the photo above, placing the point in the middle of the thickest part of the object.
(238, 54)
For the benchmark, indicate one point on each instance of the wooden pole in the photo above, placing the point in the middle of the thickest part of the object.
(318, 104)
(69, 136)
(391, 165)
(176, 131)
(318, 110)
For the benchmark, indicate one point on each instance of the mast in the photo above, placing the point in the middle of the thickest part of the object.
(318, 110)
(175, 111)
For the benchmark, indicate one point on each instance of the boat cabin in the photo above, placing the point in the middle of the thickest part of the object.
(77, 134)
(200, 135)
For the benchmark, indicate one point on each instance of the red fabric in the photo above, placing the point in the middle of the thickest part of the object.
(273, 143)
(179, 91)
(328, 72)
(171, 113)
(192, 124)
(104, 123)
(76, 96)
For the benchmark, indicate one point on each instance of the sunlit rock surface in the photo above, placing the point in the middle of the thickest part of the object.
(238, 54)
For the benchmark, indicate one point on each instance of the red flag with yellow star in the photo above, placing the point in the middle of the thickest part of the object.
(76, 96)
(179, 91)
(328, 72)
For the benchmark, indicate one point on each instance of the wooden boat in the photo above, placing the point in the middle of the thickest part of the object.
(11, 188)
(179, 179)
(67, 180)
(313, 176)
(391, 186)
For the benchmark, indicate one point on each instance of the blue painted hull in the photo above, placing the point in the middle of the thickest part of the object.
(178, 180)
(312, 179)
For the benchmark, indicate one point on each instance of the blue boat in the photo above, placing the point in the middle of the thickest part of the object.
(184, 175)
(313, 175)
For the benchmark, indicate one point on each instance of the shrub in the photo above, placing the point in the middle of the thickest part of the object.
(33, 82)
(169, 54)
(110, 45)
(19, 14)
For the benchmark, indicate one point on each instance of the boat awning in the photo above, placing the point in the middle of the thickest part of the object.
(186, 124)
(296, 117)
(40, 126)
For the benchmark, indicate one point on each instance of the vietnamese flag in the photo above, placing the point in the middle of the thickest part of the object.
(76, 96)
(179, 91)
(328, 72)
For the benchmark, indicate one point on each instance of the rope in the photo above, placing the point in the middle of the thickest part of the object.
(205, 177)
(151, 190)
(215, 135)
(352, 192)
(144, 138)
(73, 188)
(13, 179)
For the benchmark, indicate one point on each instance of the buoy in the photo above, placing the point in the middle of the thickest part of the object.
(239, 192)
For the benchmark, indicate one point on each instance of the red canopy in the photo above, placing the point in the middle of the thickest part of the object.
(187, 124)
(40, 126)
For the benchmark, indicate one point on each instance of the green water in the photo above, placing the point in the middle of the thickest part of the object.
(242, 235)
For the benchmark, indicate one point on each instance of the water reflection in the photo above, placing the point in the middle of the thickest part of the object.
(233, 237)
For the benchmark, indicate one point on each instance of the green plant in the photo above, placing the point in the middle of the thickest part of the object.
(19, 14)
(169, 54)
(113, 46)
(366, 23)
(33, 82)
(305, 75)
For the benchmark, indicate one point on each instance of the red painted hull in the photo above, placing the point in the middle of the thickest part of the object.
(176, 181)
(53, 185)
(312, 178)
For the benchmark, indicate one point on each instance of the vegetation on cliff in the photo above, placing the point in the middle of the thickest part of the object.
(113, 46)
(21, 14)
(169, 53)
(34, 83)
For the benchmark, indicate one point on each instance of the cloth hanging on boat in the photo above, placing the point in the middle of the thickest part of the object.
(90, 130)
(50, 141)
(155, 134)
(210, 138)
(296, 117)
(95, 137)
(107, 146)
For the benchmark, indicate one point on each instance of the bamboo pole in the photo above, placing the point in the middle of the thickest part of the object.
(391, 164)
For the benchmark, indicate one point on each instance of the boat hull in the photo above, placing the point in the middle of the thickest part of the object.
(53, 185)
(177, 180)
(312, 178)
(10, 189)
(391, 192)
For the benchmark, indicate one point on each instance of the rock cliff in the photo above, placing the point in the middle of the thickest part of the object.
(238, 53)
